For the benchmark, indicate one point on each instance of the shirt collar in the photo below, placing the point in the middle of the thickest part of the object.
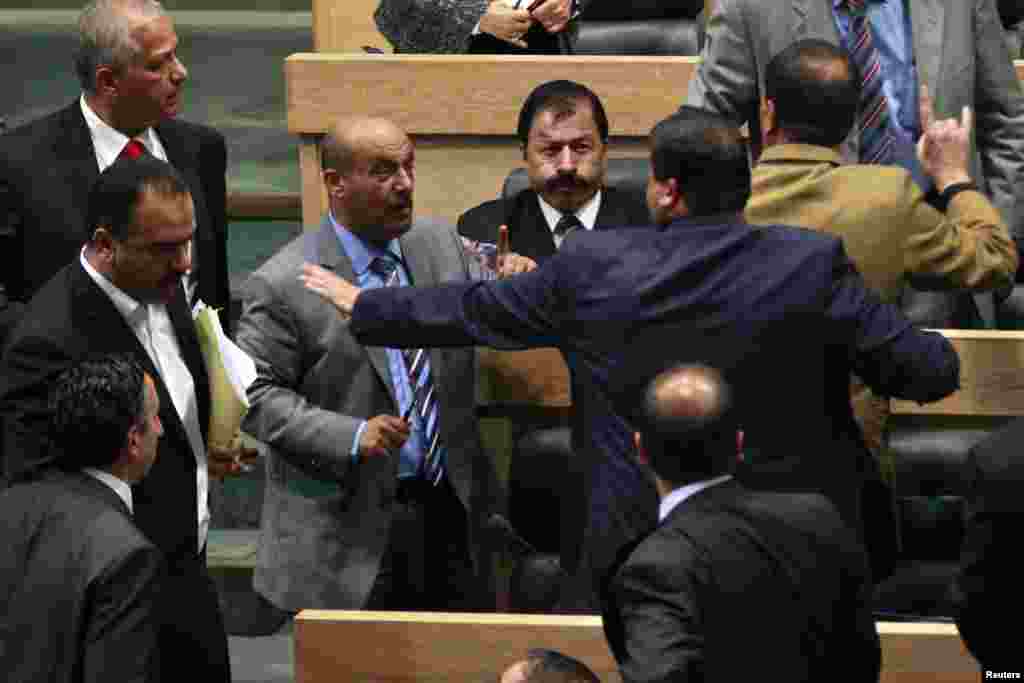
(360, 252)
(795, 152)
(130, 309)
(677, 496)
(108, 141)
(122, 488)
(586, 213)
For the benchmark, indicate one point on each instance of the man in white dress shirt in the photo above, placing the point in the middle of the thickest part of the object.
(132, 92)
(125, 294)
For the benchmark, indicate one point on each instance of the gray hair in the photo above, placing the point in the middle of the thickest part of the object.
(104, 36)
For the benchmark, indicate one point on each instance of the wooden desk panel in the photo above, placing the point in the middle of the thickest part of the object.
(341, 646)
(991, 377)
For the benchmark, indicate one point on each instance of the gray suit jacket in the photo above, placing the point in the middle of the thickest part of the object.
(325, 520)
(961, 57)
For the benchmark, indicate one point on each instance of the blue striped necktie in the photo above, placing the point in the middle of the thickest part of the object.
(424, 398)
(876, 141)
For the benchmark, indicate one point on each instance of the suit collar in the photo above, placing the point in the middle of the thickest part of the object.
(799, 153)
(77, 169)
(97, 310)
(680, 495)
(324, 247)
(709, 497)
(180, 148)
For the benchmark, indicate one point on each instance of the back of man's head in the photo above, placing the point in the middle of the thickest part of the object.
(548, 666)
(687, 424)
(119, 190)
(707, 156)
(93, 405)
(562, 97)
(815, 90)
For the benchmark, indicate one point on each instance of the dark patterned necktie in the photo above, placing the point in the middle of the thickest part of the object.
(876, 143)
(566, 224)
(424, 399)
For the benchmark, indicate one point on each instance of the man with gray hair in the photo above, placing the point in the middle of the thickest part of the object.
(132, 85)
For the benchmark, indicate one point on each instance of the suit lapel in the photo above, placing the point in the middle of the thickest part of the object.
(76, 157)
(188, 343)
(109, 333)
(927, 19)
(331, 255)
(535, 236)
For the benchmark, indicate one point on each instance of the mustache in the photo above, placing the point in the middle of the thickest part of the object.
(565, 182)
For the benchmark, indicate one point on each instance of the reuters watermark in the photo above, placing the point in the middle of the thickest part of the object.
(1002, 675)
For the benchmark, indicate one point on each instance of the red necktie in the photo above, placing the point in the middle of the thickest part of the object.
(133, 150)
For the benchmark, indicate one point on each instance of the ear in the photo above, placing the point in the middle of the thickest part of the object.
(641, 452)
(767, 117)
(334, 182)
(739, 445)
(103, 240)
(106, 81)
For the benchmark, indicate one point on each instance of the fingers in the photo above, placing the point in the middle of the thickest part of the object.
(967, 119)
(503, 250)
(926, 110)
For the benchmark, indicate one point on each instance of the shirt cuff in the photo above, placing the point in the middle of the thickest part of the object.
(354, 453)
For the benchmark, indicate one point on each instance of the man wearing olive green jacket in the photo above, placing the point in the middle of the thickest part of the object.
(890, 230)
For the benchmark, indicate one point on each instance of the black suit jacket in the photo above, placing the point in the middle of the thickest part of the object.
(46, 169)
(68, 319)
(528, 231)
(79, 585)
(988, 582)
(783, 312)
(735, 584)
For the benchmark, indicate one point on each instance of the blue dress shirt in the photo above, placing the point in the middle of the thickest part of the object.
(361, 254)
(893, 38)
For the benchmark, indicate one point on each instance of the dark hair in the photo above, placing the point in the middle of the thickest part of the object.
(707, 156)
(816, 89)
(118, 191)
(93, 405)
(560, 97)
(692, 442)
(549, 666)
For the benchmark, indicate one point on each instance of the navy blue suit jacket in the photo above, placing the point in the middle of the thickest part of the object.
(782, 312)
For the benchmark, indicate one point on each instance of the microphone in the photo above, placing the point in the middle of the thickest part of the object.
(497, 524)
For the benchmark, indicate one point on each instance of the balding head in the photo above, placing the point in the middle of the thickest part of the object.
(369, 170)
(687, 429)
(812, 92)
(548, 666)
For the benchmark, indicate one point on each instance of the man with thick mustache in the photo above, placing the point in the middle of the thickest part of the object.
(132, 86)
(563, 131)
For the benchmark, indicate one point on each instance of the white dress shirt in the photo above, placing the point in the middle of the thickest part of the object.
(122, 488)
(586, 213)
(677, 496)
(108, 142)
(152, 325)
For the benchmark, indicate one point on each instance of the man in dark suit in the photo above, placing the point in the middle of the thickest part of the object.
(132, 88)
(988, 583)
(563, 131)
(796, 315)
(124, 293)
(733, 582)
(79, 583)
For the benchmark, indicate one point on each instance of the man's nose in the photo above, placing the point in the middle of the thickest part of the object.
(178, 71)
(566, 160)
